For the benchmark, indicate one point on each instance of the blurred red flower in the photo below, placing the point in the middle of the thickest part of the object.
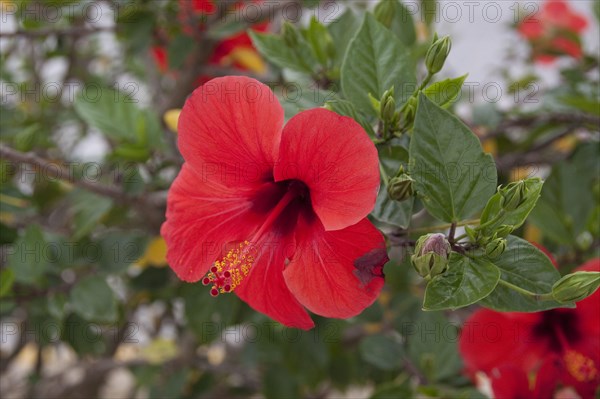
(236, 50)
(533, 355)
(275, 214)
(554, 31)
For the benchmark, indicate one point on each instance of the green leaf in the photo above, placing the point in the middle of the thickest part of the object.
(116, 115)
(93, 300)
(493, 216)
(392, 212)
(7, 279)
(83, 336)
(453, 176)
(204, 315)
(178, 50)
(588, 105)
(320, 40)
(300, 97)
(382, 352)
(56, 305)
(387, 210)
(279, 383)
(346, 108)
(563, 209)
(29, 261)
(299, 58)
(88, 209)
(431, 345)
(466, 282)
(375, 61)
(395, 16)
(445, 92)
(393, 390)
(429, 10)
(342, 30)
(119, 249)
(524, 266)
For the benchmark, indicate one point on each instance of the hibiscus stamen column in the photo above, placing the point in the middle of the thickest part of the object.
(227, 273)
(581, 367)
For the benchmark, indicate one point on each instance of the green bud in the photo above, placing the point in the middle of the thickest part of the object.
(503, 231)
(290, 35)
(431, 255)
(495, 248)
(411, 109)
(388, 110)
(437, 54)
(513, 195)
(400, 187)
(576, 286)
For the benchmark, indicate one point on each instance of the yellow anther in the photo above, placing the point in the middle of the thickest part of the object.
(582, 368)
(229, 272)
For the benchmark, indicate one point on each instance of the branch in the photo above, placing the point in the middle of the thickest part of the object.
(76, 31)
(56, 171)
(573, 119)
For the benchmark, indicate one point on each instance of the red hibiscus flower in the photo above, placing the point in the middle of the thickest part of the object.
(533, 355)
(554, 31)
(236, 50)
(275, 214)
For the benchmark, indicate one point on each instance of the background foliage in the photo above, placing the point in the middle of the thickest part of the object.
(89, 307)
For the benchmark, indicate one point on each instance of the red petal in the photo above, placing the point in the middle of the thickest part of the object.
(338, 273)
(264, 289)
(335, 158)
(531, 28)
(545, 59)
(159, 54)
(230, 129)
(577, 23)
(201, 218)
(567, 46)
(510, 382)
(555, 9)
(589, 308)
(547, 377)
(490, 338)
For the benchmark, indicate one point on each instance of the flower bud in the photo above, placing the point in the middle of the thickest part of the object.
(437, 54)
(576, 286)
(503, 231)
(400, 187)
(431, 255)
(513, 195)
(495, 248)
(410, 109)
(388, 109)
